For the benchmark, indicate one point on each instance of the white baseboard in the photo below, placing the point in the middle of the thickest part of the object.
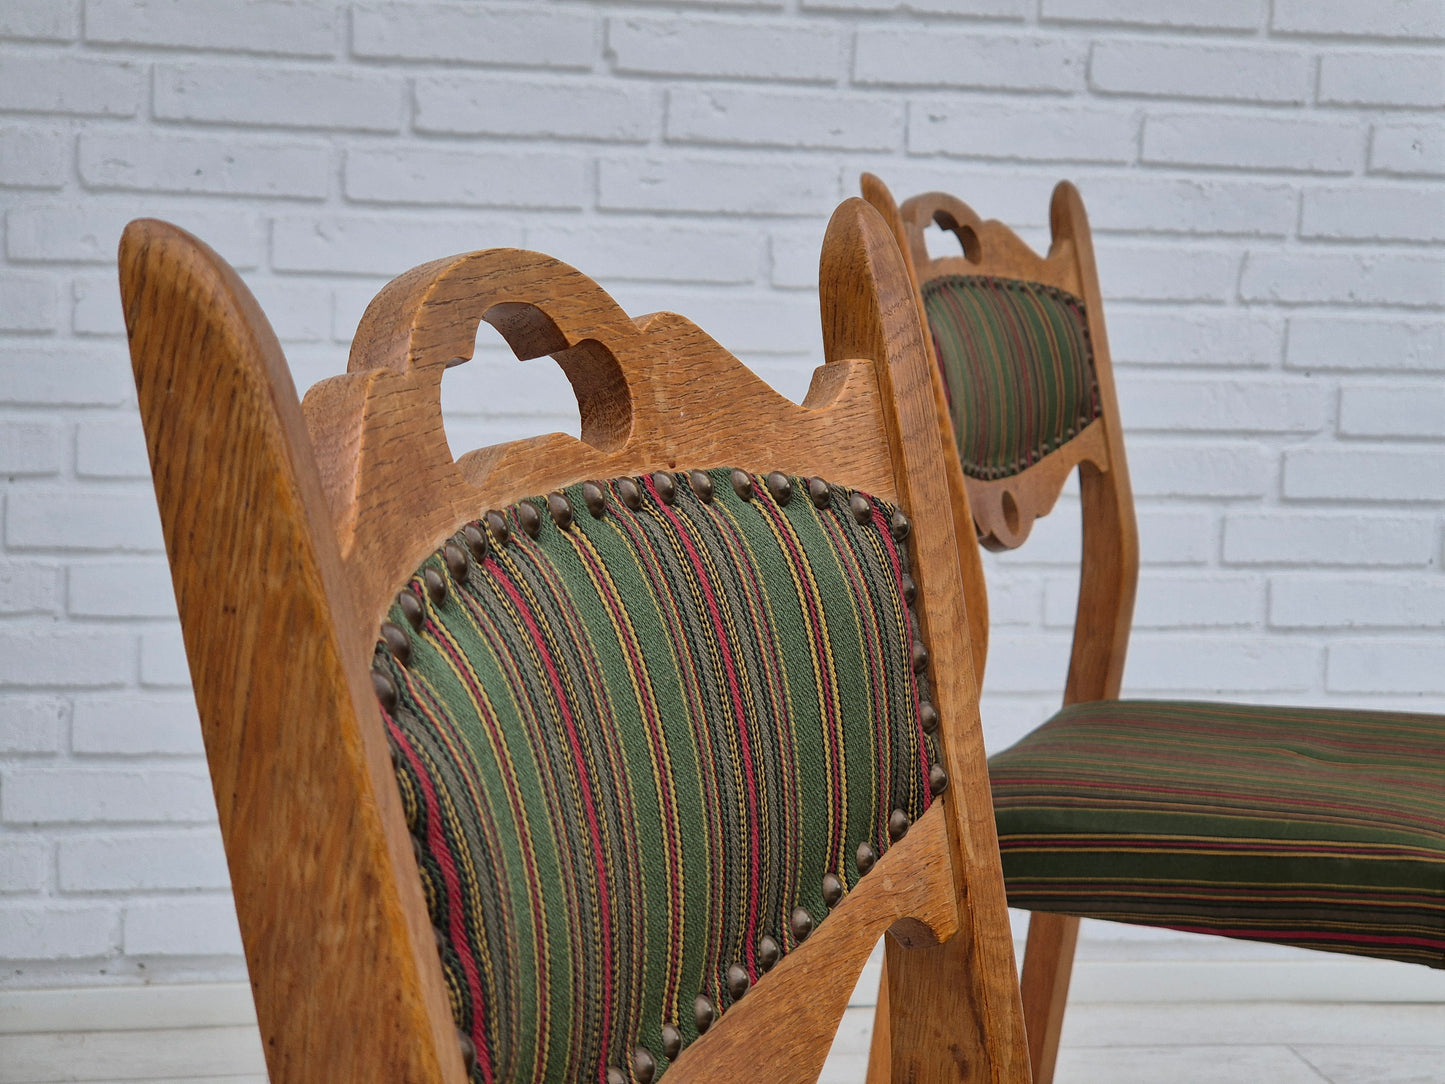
(1333, 979)
(1315, 978)
(140, 1008)
(127, 1008)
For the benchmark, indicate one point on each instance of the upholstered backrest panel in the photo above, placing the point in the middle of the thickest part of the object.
(1017, 365)
(636, 734)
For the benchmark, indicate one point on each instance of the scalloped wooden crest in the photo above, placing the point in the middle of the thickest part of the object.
(379, 434)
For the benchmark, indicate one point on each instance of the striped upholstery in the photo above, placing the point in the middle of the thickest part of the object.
(1017, 365)
(1324, 829)
(631, 745)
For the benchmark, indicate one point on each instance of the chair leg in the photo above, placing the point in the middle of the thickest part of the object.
(935, 1024)
(1048, 963)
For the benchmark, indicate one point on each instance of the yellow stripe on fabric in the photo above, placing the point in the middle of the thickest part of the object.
(717, 844)
(867, 633)
(738, 732)
(478, 797)
(734, 726)
(783, 875)
(566, 789)
(500, 654)
(662, 769)
(559, 639)
(823, 678)
(748, 614)
(873, 632)
(692, 688)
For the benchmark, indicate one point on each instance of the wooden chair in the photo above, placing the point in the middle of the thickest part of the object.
(579, 759)
(1318, 828)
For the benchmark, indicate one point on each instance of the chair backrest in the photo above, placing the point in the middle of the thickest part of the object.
(1023, 363)
(579, 759)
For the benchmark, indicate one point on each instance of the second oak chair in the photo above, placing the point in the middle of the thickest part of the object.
(1310, 827)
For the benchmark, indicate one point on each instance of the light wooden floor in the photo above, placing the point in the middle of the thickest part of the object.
(1177, 1043)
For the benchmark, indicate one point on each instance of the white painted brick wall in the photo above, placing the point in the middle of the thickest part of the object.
(1264, 179)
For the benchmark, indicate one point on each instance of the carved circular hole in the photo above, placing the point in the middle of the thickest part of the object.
(938, 246)
(496, 397)
(1010, 512)
(972, 247)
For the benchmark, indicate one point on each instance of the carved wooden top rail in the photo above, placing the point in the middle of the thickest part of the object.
(1004, 509)
(634, 380)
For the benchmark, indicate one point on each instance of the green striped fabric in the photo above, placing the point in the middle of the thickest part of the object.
(642, 751)
(1324, 829)
(1017, 366)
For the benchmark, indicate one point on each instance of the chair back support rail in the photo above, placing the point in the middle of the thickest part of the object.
(291, 527)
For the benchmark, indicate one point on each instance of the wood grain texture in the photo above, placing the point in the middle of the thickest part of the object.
(1048, 966)
(963, 992)
(1004, 511)
(1108, 578)
(378, 429)
(770, 1034)
(347, 984)
(290, 529)
(876, 193)
(1109, 568)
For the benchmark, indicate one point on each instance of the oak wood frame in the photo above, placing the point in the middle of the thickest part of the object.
(1004, 511)
(289, 529)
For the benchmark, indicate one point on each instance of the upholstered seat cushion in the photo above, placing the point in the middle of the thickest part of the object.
(1324, 829)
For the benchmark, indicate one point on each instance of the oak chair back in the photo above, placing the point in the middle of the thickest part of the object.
(1024, 356)
(368, 620)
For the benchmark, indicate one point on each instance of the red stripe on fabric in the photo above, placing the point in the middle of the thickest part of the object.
(589, 803)
(884, 770)
(1304, 935)
(789, 802)
(783, 533)
(1072, 786)
(1008, 314)
(1213, 722)
(443, 724)
(436, 842)
(890, 547)
(690, 686)
(755, 844)
(665, 796)
(1195, 845)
